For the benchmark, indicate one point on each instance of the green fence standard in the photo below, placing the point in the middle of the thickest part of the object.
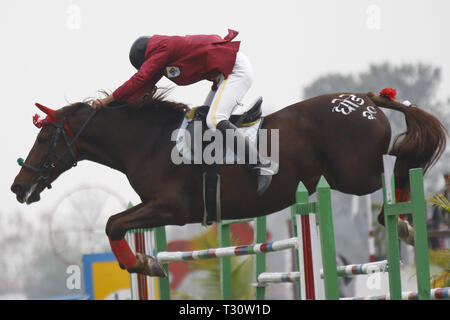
(322, 208)
(416, 206)
(223, 229)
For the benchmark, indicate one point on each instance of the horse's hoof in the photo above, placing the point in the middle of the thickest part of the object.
(410, 239)
(406, 232)
(147, 265)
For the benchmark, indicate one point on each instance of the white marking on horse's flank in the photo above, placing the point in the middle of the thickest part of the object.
(347, 103)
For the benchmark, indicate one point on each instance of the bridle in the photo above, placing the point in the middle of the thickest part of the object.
(46, 166)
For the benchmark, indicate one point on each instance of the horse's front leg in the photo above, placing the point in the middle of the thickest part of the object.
(145, 215)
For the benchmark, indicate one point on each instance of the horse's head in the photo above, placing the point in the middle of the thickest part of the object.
(56, 149)
(52, 153)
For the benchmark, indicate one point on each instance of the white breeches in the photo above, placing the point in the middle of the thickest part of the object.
(230, 92)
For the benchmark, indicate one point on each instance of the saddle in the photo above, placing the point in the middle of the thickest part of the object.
(245, 119)
(250, 120)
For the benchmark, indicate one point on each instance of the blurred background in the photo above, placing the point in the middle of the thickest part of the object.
(61, 52)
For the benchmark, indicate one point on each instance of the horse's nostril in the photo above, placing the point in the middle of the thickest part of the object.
(16, 188)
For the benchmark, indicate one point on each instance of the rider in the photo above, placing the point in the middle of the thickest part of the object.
(189, 59)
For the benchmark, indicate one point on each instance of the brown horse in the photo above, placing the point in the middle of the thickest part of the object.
(341, 136)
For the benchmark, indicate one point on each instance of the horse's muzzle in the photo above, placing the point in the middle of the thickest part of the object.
(26, 194)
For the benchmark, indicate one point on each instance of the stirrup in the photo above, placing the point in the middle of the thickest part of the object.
(268, 169)
(263, 182)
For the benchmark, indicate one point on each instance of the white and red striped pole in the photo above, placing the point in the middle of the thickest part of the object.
(310, 258)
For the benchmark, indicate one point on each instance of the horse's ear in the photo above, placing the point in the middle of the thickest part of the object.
(46, 110)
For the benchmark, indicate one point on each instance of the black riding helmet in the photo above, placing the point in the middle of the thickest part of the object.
(137, 52)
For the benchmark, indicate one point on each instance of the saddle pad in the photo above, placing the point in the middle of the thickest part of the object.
(182, 144)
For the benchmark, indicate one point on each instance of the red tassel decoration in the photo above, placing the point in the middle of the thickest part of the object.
(388, 93)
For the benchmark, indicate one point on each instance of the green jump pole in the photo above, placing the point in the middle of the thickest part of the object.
(323, 211)
(417, 207)
(260, 258)
(420, 233)
(223, 231)
(327, 240)
(392, 248)
(161, 245)
(296, 255)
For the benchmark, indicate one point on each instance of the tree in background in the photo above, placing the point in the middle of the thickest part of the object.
(417, 83)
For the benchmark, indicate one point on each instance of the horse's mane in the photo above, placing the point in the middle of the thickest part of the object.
(157, 98)
(154, 100)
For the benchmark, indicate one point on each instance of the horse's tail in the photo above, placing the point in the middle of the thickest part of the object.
(420, 146)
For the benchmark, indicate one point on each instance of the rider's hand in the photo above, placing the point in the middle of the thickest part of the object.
(100, 103)
(97, 104)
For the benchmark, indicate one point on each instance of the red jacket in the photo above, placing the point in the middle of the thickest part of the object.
(183, 60)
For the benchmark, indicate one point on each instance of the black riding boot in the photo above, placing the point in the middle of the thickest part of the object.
(264, 167)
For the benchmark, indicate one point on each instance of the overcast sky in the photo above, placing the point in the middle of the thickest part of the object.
(58, 51)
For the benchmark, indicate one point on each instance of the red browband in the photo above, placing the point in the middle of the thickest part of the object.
(39, 121)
